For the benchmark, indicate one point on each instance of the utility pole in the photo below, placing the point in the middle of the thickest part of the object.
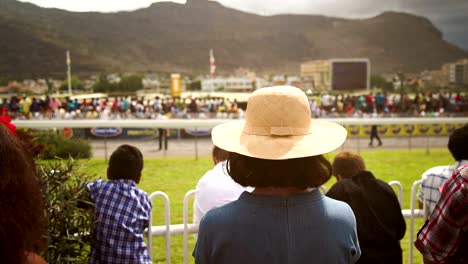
(69, 73)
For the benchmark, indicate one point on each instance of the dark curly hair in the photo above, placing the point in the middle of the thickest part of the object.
(458, 143)
(126, 162)
(301, 173)
(23, 223)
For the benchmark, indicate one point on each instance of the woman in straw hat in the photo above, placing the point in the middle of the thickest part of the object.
(278, 150)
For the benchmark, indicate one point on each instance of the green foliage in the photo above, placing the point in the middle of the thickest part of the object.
(103, 85)
(131, 83)
(58, 146)
(3, 81)
(76, 84)
(33, 146)
(380, 82)
(68, 209)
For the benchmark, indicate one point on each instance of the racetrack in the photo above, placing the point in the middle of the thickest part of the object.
(186, 147)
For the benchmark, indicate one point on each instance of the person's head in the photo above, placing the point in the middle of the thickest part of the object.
(219, 155)
(278, 144)
(23, 222)
(458, 143)
(347, 164)
(126, 162)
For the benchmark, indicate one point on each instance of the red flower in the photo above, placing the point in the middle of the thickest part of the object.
(6, 120)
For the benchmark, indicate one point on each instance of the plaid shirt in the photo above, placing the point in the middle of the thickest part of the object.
(441, 236)
(432, 180)
(121, 214)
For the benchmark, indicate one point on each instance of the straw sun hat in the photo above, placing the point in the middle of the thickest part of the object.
(278, 126)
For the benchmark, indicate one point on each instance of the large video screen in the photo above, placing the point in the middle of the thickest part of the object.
(349, 75)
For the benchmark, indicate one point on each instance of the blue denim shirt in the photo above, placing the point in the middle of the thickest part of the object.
(303, 228)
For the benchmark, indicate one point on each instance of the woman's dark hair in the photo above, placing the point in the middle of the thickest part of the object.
(301, 173)
(219, 154)
(126, 162)
(23, 223)
(458, 143)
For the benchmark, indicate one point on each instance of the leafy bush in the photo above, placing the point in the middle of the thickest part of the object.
(68, 209)
(49, 145)
(35, 148)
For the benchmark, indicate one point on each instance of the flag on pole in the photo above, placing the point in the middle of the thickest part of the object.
(212, 64)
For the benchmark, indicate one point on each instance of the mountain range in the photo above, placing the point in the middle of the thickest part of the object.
(171, 37)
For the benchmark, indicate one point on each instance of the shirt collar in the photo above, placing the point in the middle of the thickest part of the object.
(301, 198)
(125, 181)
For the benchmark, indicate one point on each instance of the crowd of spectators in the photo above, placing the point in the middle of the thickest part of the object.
(325, 105)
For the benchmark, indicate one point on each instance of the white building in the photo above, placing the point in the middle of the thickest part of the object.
(227, 84)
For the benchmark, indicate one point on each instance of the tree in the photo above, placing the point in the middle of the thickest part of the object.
(76, 84)
(380, 82)
(131, 83)
(103, 85)
(3, 81)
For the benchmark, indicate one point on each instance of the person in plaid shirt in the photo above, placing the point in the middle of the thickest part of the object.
(444, 237)
(121, 211)
(435, 177)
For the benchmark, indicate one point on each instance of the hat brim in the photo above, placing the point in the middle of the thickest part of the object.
(324, 137)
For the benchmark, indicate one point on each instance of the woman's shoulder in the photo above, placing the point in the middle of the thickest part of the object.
(337, 209)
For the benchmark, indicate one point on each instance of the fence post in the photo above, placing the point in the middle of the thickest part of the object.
(400, 191)
(196, 143)
(412, 207)
(185, 219)
(167, 222)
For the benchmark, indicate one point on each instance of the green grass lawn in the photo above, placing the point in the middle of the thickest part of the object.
(176, 176)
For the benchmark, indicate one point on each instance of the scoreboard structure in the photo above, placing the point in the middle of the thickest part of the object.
(349, 74)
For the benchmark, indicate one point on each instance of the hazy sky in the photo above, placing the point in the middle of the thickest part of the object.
(450, 16)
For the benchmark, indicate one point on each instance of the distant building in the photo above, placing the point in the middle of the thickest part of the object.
(232, 84)
(279, 80)
(318, 74)
(114, 78)
(451, 74)
(151, 82)
(337, 74)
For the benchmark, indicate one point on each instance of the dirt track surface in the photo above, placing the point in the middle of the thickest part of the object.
(187, 147)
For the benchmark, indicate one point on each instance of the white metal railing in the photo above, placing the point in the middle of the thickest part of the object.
(187, 228)
(162, 231)
(400, 191)
(323, 189)
(413, 214)
(210, 123)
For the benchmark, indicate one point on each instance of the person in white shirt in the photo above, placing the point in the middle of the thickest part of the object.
(435, 177)
(216, 188)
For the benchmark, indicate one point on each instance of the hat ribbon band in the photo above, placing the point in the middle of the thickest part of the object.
(276, 131)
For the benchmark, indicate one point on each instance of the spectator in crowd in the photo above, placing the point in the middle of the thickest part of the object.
(435, 177)
(380, 223)
(162, 133)
(444, 237)
(23, 223)
(216, 187)
(323, 105)
(278, 150)
(121, 211)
